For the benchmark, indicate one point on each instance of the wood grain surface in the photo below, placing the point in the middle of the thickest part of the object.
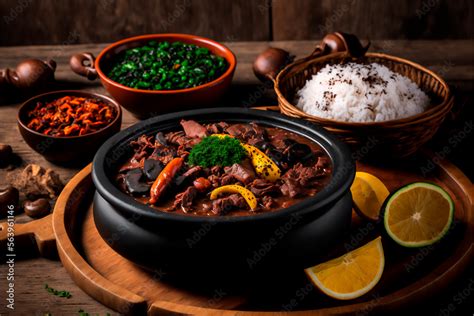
(452, 59)
(121, 285)
(27, 22)
(411, 19)
(78, 21)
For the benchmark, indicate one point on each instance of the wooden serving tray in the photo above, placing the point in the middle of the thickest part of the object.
(410, 275)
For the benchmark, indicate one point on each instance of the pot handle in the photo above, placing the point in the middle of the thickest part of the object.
(340, 42)
(77, 63)
(28, 74)
(268, 64)
(37, 234)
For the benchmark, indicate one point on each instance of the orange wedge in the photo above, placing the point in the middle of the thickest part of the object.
(351, 275)
(368, 195)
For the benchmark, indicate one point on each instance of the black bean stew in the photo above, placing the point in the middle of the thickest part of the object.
(224, 169)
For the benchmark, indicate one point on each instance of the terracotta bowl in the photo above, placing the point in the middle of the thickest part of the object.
(67, 149)
(147, 103)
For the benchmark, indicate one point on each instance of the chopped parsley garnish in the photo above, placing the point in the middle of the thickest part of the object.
(217, 151)
(83, 313)
(65, 294)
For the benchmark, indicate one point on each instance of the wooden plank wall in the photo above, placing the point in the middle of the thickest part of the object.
(96, 21)
(374, 19)
(29, 22)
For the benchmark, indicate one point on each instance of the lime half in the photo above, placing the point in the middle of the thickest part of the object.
(418, 214)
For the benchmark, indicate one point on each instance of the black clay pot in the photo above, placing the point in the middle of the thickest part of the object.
(294, 236)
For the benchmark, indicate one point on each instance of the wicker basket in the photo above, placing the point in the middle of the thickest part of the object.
(395, 138)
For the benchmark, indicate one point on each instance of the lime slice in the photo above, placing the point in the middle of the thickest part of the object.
(418, 214)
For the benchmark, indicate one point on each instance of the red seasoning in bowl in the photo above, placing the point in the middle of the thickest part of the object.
(70, 116)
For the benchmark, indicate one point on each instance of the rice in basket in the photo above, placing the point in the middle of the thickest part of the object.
(361, 93)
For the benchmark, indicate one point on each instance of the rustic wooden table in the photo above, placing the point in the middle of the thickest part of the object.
(452, 59)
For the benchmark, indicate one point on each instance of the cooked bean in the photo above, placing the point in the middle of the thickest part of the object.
(202, 184)
(8, 196)
(37, 208)
(6, 153)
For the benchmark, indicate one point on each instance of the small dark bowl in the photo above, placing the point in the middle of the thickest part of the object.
(147, 103)
(229, 244)
(72, 149)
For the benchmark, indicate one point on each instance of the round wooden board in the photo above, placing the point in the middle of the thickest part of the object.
(410, 275)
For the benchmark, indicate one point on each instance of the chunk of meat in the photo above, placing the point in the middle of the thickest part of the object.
(182, 151)
(243, 172)
(261, 187)
(193, 129)
(216, 170)
(290, 187)
(164, 154)
(185, 199)
(193, 171)
(143, 147)
(183, 142)
(256, 135)
(278, 141)
(299, 179)
(238, 130)
(259, 131)
(216, 128)
(226, 204)
(306, 175)
(142, 141)
(215, 180)
(176, 138)
(213, 129)
(268, 202)
(227, 179)
(250, 133)
(252, 140)
(188, 176)
(131, 165)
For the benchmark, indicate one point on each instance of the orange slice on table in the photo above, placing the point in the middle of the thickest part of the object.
(368, 195)
(351, 275)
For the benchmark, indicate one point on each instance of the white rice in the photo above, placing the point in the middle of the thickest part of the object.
(361, 93)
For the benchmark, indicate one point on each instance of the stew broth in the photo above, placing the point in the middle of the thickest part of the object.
(304, 169)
